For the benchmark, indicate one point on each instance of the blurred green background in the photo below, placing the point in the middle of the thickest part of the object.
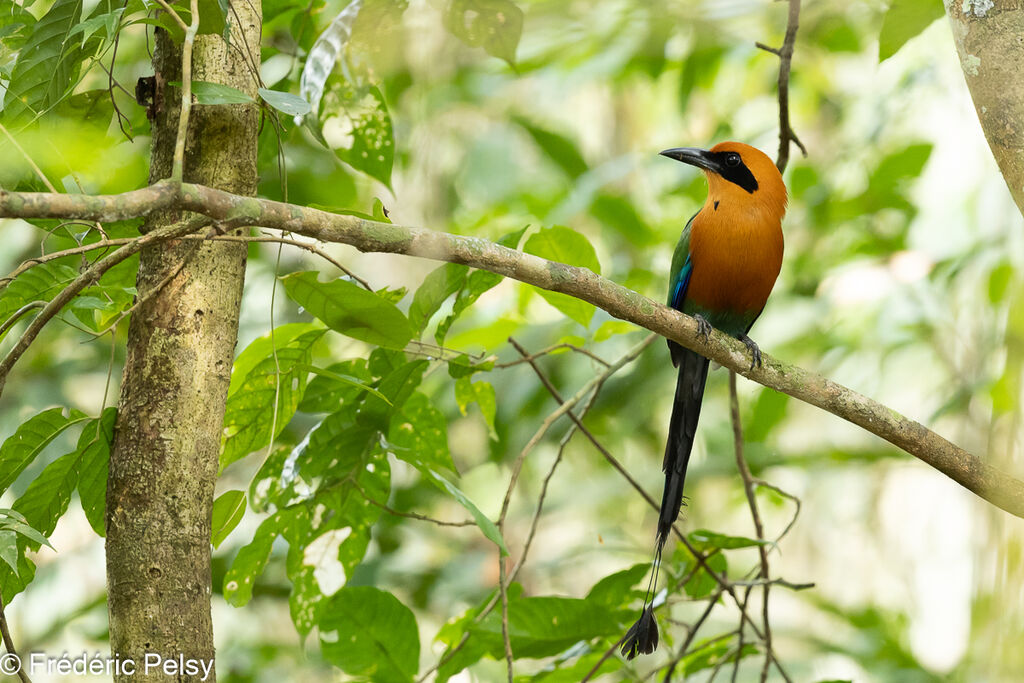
(901, 280)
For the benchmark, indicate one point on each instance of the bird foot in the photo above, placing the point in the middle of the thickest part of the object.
(703, 327)
(755, 351)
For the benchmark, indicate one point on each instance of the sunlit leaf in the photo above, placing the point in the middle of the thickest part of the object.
(904, 20)
(565, 246)
(228, 510)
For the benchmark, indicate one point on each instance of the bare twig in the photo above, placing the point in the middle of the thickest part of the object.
(409, 515)
(551, 349)
(9, 643)
(785, 55)
(9, 323)
(748, 489)
(178, 169)
(311, 248)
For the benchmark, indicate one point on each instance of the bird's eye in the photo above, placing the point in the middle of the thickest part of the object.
(732, 159)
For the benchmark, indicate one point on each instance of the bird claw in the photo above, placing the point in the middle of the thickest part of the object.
(755, 351)
(703, 327)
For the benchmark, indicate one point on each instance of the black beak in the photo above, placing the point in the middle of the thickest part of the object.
(694, 157)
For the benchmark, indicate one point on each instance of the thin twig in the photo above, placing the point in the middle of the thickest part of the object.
(74, 251)
(785, 55)
(551, 349)
(409, 515)
(178, 169)
(748, 489)
(9, 323)
(9, 643)
(311, 248)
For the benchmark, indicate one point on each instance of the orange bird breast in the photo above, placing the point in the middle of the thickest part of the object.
(736, 251)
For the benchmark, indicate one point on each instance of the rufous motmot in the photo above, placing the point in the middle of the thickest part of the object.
(723, 269)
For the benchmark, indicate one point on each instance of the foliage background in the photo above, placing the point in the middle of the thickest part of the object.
(901, 280)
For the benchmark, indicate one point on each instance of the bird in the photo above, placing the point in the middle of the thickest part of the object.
(724, 267)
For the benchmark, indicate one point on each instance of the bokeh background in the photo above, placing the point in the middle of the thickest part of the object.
(901, 280)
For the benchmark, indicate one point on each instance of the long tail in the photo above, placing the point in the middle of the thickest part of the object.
(693, 373)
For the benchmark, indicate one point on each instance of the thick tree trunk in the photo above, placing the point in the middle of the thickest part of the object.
(989, 37)
(181, 343)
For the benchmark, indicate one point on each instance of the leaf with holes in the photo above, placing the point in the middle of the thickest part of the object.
(494, 25)
(357, 126)
(266, 399)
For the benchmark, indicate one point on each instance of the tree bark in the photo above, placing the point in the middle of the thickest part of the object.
(181, 342)
(989, 37)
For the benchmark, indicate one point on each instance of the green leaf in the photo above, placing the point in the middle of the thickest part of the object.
(47, 497)
(108, 21)
(420, 433)
(478, 282)
(489, 529)
(327, 391)
(284, 102)
(904, 20)
(45, 68)
(261, 348)
(538, 627)
(349, 309)
(252, 558)
(216, 93)
(768, 412)
(437, 286)
(481, 393)
(31, 437)
(93, 468)
(565, 246)
(9, 549)
(558, 148)
(266, 400)
(363, 136)
(350, 381)
(610, 328)
(495, 25)
(40, 283)
(616, 589)
(701, 583)
(367, 632)
(397, 387)
(704, 540)
(228, 510)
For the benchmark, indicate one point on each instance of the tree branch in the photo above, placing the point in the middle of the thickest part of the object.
(969, 471)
